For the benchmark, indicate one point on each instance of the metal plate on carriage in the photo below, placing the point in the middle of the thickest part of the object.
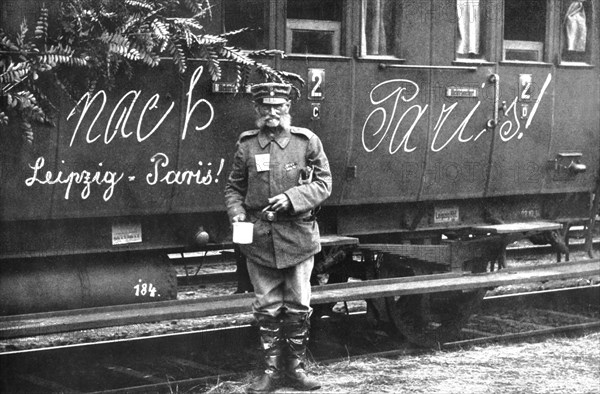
(446, 215)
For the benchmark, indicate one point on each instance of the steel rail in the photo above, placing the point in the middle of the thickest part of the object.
(583, 327)
(589, 294)
(570, 329)
(504, 338)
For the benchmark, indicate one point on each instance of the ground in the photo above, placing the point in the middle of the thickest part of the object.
(556, 365)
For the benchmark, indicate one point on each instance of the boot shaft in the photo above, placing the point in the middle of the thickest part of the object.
(272, 343)
(271, 339)
(284, 341)
(296, 332)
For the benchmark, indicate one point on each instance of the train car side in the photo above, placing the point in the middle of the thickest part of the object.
(451, 132)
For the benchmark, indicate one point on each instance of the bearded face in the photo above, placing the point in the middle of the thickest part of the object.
(273, 115)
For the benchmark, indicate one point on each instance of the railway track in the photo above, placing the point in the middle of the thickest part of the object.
(110, 316)
(197, 360)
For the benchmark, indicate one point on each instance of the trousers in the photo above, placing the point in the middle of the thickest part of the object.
(281, 290)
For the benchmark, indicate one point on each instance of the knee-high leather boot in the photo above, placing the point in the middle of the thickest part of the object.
(296, 331)
(272, 344)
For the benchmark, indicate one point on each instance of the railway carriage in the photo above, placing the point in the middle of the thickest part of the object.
(453, 128)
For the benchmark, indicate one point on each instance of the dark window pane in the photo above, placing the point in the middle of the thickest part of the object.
(524, 29)
(252, 14)
(525, 20)
(312, 42)
(521, 55)
(324, 10)
(314, 26)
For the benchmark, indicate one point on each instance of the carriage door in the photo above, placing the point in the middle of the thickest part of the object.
(461, 99)
(574, 146)
(523, 113)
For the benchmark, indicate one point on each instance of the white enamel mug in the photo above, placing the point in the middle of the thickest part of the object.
(242, 232)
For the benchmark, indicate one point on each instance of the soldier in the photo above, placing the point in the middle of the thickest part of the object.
(280, 174)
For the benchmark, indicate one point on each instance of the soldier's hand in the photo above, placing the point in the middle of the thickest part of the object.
(239, 218)
(280, 203)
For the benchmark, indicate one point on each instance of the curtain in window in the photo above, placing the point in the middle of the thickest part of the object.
(576, 27)
(469, 20)
(377, 25)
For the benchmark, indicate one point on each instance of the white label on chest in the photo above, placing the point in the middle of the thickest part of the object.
(262, 162)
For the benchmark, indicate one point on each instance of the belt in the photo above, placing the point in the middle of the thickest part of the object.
(272, 216)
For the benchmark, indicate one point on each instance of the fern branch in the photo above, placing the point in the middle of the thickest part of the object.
(140, 4)
(200, 9)
(178, 55)
(41, 28)
(107, 38)
(6, 42)
(20, 38)
(234, 32)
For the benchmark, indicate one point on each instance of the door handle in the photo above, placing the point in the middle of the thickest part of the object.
(495, 79)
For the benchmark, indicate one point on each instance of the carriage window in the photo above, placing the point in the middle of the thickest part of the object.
(250, 14)
(314, 26)
(378, 30)
(524, 30)
(468, 13)
(577, 17)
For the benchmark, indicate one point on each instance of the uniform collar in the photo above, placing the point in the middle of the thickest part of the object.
(282, 139)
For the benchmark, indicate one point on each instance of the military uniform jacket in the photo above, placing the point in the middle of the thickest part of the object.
(263, 168)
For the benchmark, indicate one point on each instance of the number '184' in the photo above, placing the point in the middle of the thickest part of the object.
(145, 289)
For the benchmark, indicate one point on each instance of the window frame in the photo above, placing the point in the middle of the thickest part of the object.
(313, 25)
(548, 44)
(592, 35)
(518, 45)
(279, 33)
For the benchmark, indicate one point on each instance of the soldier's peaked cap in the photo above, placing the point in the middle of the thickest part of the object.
(272, 93)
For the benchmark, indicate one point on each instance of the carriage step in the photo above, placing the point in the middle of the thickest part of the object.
(438, 254)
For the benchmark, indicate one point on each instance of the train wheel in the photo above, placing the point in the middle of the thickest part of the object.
(427, 320)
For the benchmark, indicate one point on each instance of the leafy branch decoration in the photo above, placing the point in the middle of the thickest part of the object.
(95, 41)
